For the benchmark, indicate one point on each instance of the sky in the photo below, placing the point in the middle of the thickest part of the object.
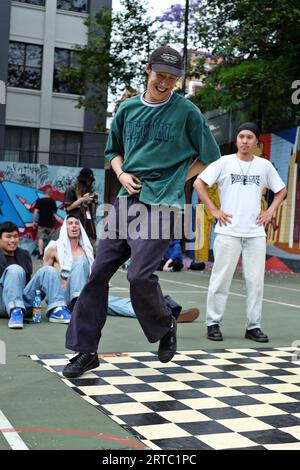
(156, 7)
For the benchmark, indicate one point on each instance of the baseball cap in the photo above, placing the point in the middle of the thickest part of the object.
(166, 59)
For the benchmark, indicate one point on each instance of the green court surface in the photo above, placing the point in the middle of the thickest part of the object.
(48, 415)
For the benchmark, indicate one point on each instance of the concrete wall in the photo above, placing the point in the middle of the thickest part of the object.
(4, 41)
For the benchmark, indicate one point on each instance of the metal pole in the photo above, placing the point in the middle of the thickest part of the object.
(78, 155)
(185, 51)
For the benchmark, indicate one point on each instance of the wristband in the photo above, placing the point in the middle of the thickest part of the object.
(120, 174)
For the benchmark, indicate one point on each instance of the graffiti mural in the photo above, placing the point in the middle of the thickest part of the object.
(22, 184)
(283, 232)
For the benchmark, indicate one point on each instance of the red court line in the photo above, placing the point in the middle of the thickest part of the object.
(77, 432)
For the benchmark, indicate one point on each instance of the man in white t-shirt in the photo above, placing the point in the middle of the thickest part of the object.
(241, 178)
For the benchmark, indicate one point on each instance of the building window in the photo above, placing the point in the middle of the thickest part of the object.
(21, 144)
(65, 148)
(66, 59)
(25, 65)
(33, 2)
(73, 5)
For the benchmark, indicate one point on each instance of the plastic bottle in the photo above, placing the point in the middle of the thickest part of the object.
(37, 307)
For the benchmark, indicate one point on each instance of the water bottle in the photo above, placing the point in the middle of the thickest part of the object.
(37, 307)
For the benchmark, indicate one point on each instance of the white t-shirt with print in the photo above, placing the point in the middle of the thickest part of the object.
(240, 186)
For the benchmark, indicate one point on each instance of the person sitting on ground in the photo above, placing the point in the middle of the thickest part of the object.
(43, 219)
(72, 255)
(17, 288)
(172, 259)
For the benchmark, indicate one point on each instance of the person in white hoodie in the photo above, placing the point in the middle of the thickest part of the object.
(72, 255)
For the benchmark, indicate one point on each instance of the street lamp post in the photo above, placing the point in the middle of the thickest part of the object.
(185, 51)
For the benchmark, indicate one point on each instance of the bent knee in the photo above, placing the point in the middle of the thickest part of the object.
(16, 270)
(137, 281)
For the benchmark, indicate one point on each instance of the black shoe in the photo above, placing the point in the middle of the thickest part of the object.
(188, 315)
(80, 364)
(257, 335)
(214, 333)
(197, 266)
(168, 344)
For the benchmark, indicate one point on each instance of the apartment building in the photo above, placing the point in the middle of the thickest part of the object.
(39, 121)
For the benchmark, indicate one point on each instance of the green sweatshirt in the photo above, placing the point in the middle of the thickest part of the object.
(158, 144)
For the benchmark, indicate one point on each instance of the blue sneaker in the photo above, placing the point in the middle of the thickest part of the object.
(60, 315)
(16, 319)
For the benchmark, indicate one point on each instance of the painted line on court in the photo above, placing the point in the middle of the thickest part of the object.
(281, 287)
(10, 434)
(266, 284)
(73, 432)
(230, 293)
(172, 291)
(273, 285)
(118, 288)
(161, 279)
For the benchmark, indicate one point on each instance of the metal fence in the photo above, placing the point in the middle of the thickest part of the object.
(87, 148)
(67, 149)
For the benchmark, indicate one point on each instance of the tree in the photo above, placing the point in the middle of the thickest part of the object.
(172, 23)
(118, 46)
(259, 84)
(259, 42)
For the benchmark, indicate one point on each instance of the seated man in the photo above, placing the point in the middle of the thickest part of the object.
(172, 259)
(17, 289)
(72, 255)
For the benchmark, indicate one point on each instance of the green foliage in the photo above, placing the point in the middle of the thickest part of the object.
(259, 42)
(260, 84)
(118, 46)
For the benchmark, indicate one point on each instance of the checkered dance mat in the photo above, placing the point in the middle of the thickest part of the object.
(216, 399)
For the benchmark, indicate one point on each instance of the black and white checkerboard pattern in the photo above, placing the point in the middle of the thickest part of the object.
(216, 399)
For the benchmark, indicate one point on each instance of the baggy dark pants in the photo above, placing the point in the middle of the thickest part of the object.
(118, 243)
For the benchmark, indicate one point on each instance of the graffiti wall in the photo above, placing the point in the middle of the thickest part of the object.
(283, 233)
(21, 184)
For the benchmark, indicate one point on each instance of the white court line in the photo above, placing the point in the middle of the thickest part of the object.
(119, 289)
(281, 287)
(231, 293)
(266, 285)
(273, 285)
(13, 438)
(169, 291)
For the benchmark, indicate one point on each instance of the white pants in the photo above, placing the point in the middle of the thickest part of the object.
(227, 250)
